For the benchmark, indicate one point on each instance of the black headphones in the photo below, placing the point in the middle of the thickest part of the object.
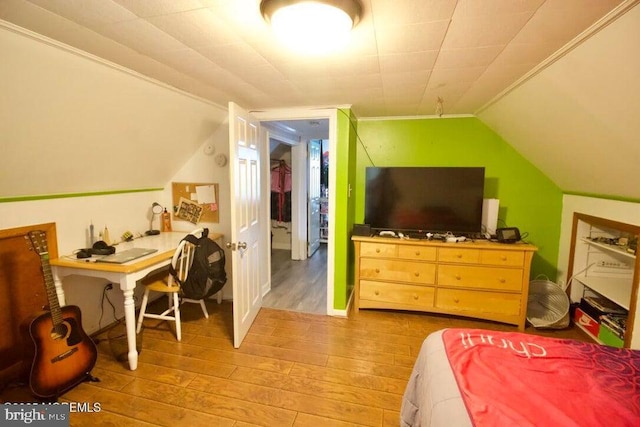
(99, 248)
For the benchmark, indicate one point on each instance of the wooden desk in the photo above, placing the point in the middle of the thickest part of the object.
(124, 274)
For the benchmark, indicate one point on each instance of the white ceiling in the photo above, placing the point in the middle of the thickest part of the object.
(403, 54)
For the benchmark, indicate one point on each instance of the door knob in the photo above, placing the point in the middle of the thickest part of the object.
(234, 246)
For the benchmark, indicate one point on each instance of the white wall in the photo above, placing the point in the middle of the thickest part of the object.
(202, 168)
(72, 124)
(626, 212)
(120, 213)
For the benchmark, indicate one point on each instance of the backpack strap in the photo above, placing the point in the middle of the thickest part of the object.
(174, 273)
(191, 239)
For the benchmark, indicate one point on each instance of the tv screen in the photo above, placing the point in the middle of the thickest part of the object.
(428, 199)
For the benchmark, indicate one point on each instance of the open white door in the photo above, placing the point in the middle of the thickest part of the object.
(313, 196)
(246, 221)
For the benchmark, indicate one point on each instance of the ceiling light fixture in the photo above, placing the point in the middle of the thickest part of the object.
(312, 26)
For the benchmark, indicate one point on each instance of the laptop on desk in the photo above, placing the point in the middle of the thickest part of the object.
(126, 255)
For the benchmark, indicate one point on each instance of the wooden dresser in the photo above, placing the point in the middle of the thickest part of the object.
(480, 279)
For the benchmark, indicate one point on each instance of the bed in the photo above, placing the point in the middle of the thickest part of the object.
(474, 377)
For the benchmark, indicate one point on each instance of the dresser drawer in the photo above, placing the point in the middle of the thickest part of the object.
(398, 271)
(393, 293)
(422, 253)
(506, 258)
(464, 276)
(478, 302)
(459, 255)
(381, 250)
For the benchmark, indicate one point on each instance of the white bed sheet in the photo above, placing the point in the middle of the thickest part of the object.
(432, 397)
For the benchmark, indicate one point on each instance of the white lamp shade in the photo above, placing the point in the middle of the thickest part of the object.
(312, 27)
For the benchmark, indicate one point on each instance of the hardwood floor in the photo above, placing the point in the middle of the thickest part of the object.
(293, 369)
(298, 285)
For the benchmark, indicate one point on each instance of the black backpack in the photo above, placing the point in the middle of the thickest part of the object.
(206, 275)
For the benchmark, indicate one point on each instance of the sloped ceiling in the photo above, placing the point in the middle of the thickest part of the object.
(403, 55)
(69, 124)
(572, 118)
(578, 119)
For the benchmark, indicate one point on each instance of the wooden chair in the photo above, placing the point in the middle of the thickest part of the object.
(181, 262)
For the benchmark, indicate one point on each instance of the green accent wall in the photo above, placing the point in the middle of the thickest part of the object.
(346, 162)
(528, 199)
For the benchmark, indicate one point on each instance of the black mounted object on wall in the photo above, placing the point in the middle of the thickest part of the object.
(508, 235)
(361, 230)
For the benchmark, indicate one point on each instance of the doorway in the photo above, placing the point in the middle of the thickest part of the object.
(298, 257)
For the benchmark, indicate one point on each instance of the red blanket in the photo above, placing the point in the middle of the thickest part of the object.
(514, 379)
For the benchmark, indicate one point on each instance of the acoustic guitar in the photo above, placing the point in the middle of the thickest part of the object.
(64, 353)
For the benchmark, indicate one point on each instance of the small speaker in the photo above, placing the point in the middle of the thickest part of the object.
(490, 209)
(361, 230)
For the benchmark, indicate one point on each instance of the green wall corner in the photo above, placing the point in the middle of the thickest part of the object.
(529, 200)
(346, 162)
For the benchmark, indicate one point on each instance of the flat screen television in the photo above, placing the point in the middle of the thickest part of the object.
(424, 199)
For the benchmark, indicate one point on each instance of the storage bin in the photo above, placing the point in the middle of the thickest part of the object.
(608, 337)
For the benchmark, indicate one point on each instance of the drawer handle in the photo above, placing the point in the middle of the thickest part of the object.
(456, 300)
(459, 256)
(503, 258)
(377, 293)
(377, 270)
(377, 250)
(415, 297)
(502, 280)
(417, 274)
(417, 253)
(458, 277)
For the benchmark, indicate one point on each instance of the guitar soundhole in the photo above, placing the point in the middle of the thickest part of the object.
(60, 331)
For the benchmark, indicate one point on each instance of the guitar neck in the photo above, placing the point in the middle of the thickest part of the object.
(52, 295)
(38, 243)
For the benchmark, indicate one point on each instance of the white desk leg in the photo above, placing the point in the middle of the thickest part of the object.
(130, 321)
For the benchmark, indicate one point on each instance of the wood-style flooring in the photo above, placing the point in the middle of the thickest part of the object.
(298, 285)
(293, 369)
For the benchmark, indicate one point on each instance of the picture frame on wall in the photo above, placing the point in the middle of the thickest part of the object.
(189, 211)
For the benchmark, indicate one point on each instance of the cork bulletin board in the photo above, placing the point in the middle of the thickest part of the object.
(195, 202)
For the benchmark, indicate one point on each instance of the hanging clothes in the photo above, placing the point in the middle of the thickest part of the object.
(281, 192)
